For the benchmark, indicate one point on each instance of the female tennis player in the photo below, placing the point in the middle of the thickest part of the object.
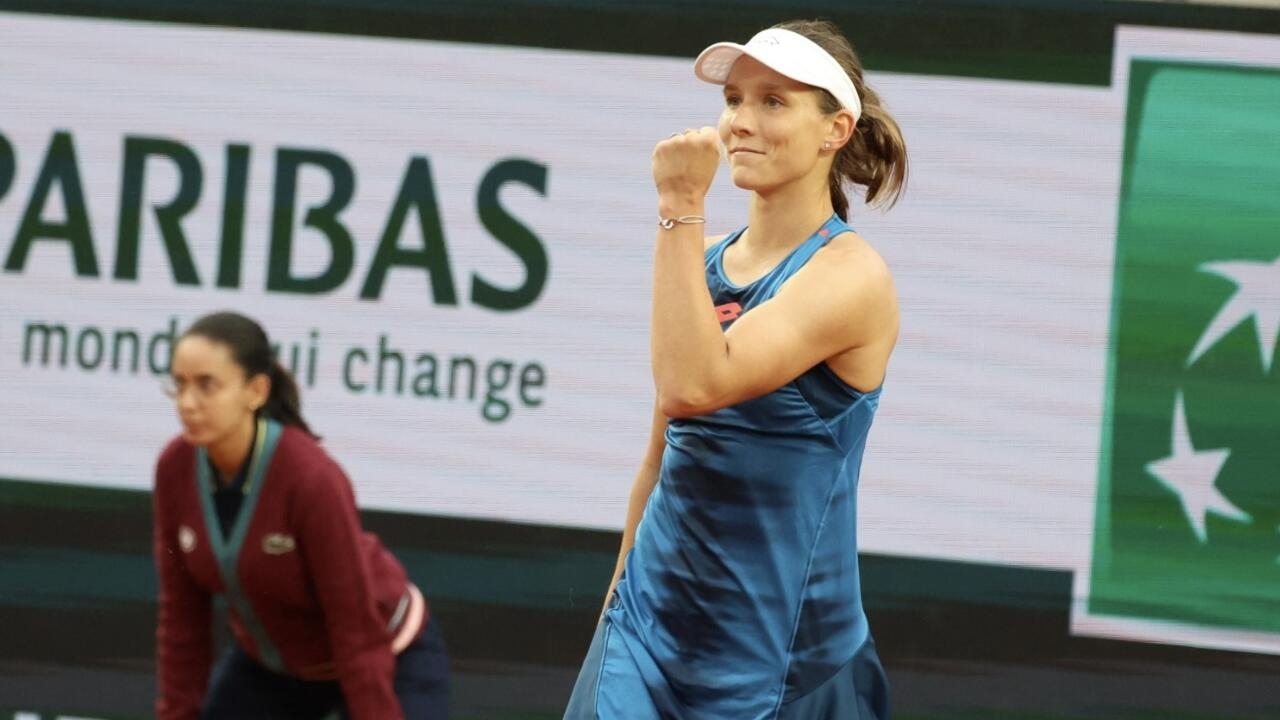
(737, 591)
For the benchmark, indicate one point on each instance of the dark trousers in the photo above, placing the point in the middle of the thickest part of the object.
(241, 689)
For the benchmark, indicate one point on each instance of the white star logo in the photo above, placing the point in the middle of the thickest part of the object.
(1191, 475)
(1257, 294)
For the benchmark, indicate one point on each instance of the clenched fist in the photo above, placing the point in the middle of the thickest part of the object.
(684, 165)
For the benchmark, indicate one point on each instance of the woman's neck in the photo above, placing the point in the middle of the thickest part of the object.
(229, 453)
(781, 219)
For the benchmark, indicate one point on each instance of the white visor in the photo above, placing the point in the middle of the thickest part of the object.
(787, 53)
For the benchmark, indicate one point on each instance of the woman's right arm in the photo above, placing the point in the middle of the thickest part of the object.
(184, 643)
(646, 480)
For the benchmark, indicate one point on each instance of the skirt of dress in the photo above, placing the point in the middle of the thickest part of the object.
(611, 686)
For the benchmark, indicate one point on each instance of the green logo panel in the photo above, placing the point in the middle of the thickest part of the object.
(1188, 515)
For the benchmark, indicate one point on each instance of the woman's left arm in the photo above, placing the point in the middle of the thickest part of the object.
(330, 540)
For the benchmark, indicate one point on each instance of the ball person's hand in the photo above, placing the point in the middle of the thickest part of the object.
(685, 163)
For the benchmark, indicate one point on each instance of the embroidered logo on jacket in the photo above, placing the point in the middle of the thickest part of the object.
(278, 544)
(186, 538)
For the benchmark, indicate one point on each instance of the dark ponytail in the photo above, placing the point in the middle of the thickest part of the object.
(284, 404)
(252, 351)
(876, 156)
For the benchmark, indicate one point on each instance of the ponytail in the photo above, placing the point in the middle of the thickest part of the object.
(284, 404)
(876, 155)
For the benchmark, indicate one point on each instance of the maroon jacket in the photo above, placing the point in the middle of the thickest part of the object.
(310, 593)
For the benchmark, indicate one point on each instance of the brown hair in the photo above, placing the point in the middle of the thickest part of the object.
(876, 155)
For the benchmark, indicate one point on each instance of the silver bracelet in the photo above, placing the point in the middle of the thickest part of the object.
(668, 223)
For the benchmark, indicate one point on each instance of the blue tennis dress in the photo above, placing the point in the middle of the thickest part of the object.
(740, 599)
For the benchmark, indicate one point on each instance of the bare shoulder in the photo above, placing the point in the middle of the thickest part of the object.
(851, 259)
(856, 279)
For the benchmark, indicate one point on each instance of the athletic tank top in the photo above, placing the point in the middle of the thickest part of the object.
(741, 592)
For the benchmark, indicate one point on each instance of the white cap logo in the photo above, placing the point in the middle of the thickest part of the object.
(186, 539)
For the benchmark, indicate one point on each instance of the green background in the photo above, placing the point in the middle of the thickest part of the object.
(1201, 182)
